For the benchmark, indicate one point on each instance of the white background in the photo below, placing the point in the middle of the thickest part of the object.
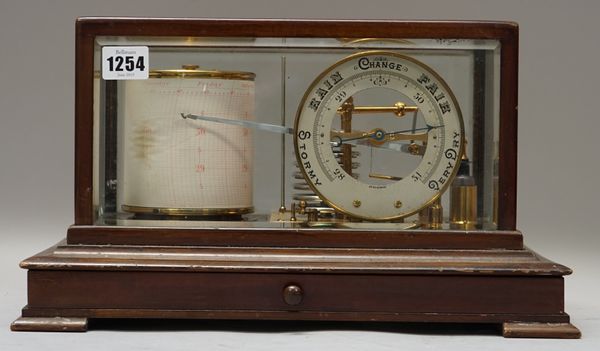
(558, 164)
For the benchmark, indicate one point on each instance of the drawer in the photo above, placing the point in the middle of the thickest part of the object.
(294, 292)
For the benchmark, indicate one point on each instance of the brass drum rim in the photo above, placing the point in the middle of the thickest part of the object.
(196, 73)
(166, 211)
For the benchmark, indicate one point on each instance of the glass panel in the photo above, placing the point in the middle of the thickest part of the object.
(160, 160)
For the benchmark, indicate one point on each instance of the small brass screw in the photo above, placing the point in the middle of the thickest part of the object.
(413, 149)
(398, 204)
(302, 205)
(356, 203)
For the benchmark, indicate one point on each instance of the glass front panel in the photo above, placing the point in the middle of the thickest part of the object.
(344, 133)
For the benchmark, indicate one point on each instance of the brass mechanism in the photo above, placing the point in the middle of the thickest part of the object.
(346, 124)
(310, 204)
(432, 217)
(388, 137)
(312, 215)
(399, 108)
(293, 212)
(463, 199)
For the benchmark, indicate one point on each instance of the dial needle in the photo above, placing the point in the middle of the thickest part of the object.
(242, 123)
(379, 135)
(428, 128)
(286, 130)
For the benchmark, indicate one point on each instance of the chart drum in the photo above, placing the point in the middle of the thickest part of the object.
(169, 165)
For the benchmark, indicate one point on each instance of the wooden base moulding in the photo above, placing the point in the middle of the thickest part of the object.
(68, 284)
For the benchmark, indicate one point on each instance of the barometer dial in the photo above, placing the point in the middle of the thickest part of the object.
(405, 120)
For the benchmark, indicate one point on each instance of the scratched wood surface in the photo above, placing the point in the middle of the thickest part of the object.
(116, 281)
(306, 260)
(294, 237)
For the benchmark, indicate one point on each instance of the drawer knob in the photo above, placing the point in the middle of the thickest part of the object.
(292, 294)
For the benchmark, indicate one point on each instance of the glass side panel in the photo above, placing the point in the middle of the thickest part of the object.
(205, 140)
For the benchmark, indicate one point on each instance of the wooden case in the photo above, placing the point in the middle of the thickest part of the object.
(480, 276)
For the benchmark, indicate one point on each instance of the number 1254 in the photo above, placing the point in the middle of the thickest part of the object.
(125, 63)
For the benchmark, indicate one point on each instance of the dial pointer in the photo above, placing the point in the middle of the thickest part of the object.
(376, 134)
(241, 123)
(285, 130)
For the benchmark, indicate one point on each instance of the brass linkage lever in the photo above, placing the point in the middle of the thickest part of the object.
(392, 136)
(399, 109)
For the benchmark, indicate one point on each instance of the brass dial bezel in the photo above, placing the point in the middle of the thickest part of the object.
(423, 66)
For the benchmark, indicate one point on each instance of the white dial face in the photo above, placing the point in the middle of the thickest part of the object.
(415, 125)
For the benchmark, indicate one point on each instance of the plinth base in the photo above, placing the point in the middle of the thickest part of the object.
(67, 284)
